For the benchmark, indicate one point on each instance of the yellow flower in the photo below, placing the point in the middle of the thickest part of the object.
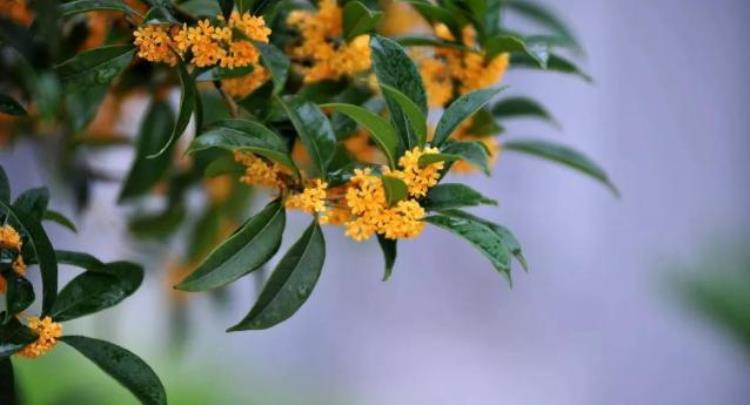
(240, 87)
(403, 221)
(253, 27)
(336, 215)
(437, 81)
(48, 332)
(10, 238)
(418, 179)
(259, 172)
(154, 44)
(322, 47)
(311, 200)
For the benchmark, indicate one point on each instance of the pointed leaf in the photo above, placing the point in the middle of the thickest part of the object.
(276, 62)
(395, 189)
(380, 129)
(536, 50)
(187, 107)
(4, 187)
(14, 336)
(543, 16)
(451, 195)
(256, 242)
(290, 284)
(417, 119)
(19, 294)
(314, 130)
(96, 67)
(10, 106)
(389, 248)
(146, 172)
(59, 218)
(514, 107)
(461, 109)
(79, 259)
(358, 19)
(564, 155)
(555, 63)
(472, 152)
(122, 365)
(33, 202)
(84, 6)
(430, 158)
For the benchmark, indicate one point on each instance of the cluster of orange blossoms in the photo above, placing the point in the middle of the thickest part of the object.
(11, 239)
(360, 205)
(48, 333)
(322, 47)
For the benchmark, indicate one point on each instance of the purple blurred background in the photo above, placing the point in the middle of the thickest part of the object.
(594, 322)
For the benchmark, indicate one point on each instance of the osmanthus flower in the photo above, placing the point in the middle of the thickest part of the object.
(155, 44)
(48, 333)
(261, 172)
(17, 11)
(321, 51)
(11, 240)
(312, 200)
(241, 86)
(418, 179)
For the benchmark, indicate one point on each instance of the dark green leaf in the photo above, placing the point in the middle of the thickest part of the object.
(480, 236)
(522, 107)
(484, 124)
(10, 106)
(395, 189)
(244, 135)
(460, 110)
(472, 152)
(389, 248)
(97, 289)
(19, 294)
(4, 186)
(33, 201)
(7, 383)
(84, 6)
(564, 155)
(430, 158)
(450, 196)
(223, 165)
(394, 68)
(414, 115)
(96, 67)
(276, 62)
(122, 365)
(535, 50)
(226, 7)
(434, 13)
(79, 259)
(245, 251)
(358, 19)
(541, 15)
(14, 336)
(201, 8)
(380, 129)
(187, 107)
(314, 130)
(59, 218)
(555, 63)
(290, 284)
(146, 172)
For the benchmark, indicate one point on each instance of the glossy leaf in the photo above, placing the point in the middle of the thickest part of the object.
(246, 135)
(453, 195)
(187, 107)
(543, 16)
(358, 19)
(14, 336)
(394, 68)
(505, 43)
(516, 107)
(223, 165)
(256, 242)
(276, 62)
(473, 152)
(122, 365)
(395, 189)
(484, 124)
(96, 67)
(7, 383)
(380, 129)
(97, 289)
(461, 109)
(556, 63)
(155, 132)
(60, 219)
(290, 284)
(480, 236)
(390, 249)
(314, 130)
(430, 158)
(4, 186)
(416, 118)
(84, 6)
(564, 155)
(33, 201)
(10, 106)
(19, 294)
(79, 259)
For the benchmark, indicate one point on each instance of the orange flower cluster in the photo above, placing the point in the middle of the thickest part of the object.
(11, 239)
(48, 331)
(491, 143)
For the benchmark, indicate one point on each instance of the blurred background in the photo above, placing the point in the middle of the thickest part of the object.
(626, 301)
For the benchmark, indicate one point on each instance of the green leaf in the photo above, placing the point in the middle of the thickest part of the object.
(480, 236)
(256, 242)
(564, 155)
(33, 201)
(394, 68)
(430, 158)
(555, 63)
(98, 288)
(380, 129)
(461, 109)
(453, 195)
(434, 13)
(473, 152)
(395, 189)
(200, 8)
(19, 295)
(10, 106)
(423, 40)
(204, 233)
(504, 233)
(416, 118)
(245, 135)
(484, 124)
(514, 107)
(79, 259)
(60, 219)
(315, 131)
(84, 6)
(535, 50)
(187, 107)
(7, 383)
(96, 67)
(14, 336)
(389, 248)
(223, 165)
(146, 172)
(290, 284)
(276, 62)
(546, 18)
(122, 365)
(226, 7)
(358, 19)
(4, 186)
